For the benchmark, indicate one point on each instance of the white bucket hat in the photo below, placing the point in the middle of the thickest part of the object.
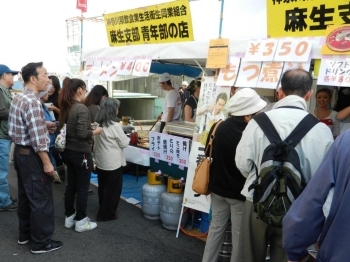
(245, 102)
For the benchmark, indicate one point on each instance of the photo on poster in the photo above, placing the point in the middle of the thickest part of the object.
(211, 108)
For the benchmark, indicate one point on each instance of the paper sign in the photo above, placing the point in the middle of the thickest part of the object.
(334, 73)
(228, 75)
(155, 148)
(125, 67)
(181, 154)
(261, 50)
(293, 50)
(296, 65)
(142, 67)
(248, 74)
(218, 53)
(270, 75)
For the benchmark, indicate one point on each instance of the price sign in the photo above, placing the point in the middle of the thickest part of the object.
(270, 75)
(248, 74)
(125, 67)
(228, 75)
(261, 50)
(334, 73)
(296, 65)
(142, 67)
(293, 50)
(155, 145)
(167, 147)
(182, 150)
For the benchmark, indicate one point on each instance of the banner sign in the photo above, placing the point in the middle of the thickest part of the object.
(334, 73)
(161, 23)
(248, 74)
(337, 40)
(171, 149)
(228, 76)
(290, 18)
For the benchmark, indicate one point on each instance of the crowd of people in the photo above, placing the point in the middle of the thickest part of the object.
(32, 120)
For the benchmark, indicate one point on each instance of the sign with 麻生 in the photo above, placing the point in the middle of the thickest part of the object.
(161, 23)
(305, 18)
(334, 73)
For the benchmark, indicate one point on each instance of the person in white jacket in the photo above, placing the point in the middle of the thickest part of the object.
(295, 91)
(109, 159)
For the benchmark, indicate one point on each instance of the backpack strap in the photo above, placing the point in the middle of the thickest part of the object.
(304, 126)
(267, 127)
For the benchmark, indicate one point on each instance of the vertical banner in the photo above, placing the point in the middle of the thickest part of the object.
(211, 108)
(155, 145)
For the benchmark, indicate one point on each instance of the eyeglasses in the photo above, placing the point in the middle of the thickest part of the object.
(84, 89)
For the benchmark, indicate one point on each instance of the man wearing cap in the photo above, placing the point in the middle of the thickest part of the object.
(172, 102)
(6, 81)
(184, 95)
(285, 116)
(226, 181)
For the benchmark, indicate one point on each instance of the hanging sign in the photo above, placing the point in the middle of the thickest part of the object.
(142, 67)
(155, 149)
(218, 53)
(248, 74)
(125, 67)
(293, 50)
(228, 76)
(334, 73)
(182, 149)
(337, 40)
(270, 75)
(261, 50)
(305, 18)
(161, 23)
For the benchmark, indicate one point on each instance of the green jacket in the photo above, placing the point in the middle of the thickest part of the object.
(5, 103)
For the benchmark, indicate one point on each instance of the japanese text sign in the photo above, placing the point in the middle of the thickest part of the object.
(228, 76)
(292, 50)
(142, 67)
(218, 53)
(334, 73)
(270, 75)
(182, 149)
(155, 145)
(248, 74)
(161, 23)
(305, 18)
(125, 67)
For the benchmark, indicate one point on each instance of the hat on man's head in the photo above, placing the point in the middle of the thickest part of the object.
(43, 93)
(165, 77)
(185, 83)
(245, 102)
(5, 69)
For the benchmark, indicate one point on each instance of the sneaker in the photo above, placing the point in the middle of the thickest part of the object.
(84, 225)
(69, 222)
(51, 245)
(10, 207)
(23, 240)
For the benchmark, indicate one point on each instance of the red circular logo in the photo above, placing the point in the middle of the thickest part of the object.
(339, 39)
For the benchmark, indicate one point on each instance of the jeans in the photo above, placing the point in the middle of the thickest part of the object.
(5, 145)
(78, 182)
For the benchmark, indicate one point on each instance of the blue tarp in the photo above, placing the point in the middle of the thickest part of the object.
(175, 69)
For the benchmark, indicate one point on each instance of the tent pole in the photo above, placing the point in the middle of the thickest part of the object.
(221, 17)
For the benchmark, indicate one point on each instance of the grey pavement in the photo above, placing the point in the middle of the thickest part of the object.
(130, 238)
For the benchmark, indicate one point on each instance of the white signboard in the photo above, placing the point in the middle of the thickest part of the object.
(261, 50)
(334, 73)
(228, 75)
(142, 67)
(181, 155)
(125, 67)
(270, 75)
(248, 74)
(155, 149)
(293, 50)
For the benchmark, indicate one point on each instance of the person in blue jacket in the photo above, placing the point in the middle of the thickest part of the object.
(321, 212)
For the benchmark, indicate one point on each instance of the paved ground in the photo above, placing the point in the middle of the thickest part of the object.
(130, 238)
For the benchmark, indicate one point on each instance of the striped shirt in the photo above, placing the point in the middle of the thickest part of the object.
(26, 122)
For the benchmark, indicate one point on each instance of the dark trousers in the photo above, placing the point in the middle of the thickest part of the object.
(78, 181)
(110, 183)
(58, 156)
(35, 201)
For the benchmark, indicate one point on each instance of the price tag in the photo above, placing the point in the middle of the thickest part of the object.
(228, 75)
(125, 67)
(261, 50)
(293, 50)
(296, 65)
(334, 73)
(181, 154)
(248, 74)
(270, 75)
(142, 67)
